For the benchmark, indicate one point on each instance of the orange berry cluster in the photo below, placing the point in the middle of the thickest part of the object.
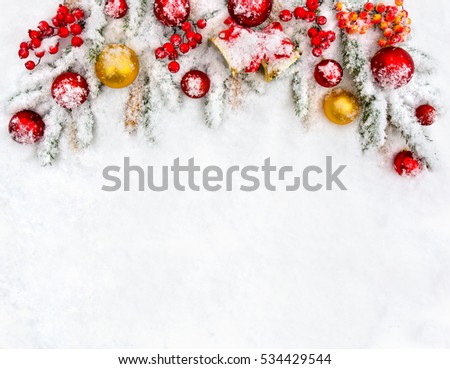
(392, 20)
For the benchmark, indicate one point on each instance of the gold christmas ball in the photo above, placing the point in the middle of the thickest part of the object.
(117, 66)
(341, 107)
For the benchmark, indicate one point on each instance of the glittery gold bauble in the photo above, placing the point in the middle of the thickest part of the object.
(117, 66)
(341, 107)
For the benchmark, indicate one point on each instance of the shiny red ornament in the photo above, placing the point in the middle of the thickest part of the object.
(195, 84)
(116, 8)
(250, 13)
(172, 13)
(26, 127)
(392, 67)
(426, 114)
(328, 73)
(70, 90)
(406, 164)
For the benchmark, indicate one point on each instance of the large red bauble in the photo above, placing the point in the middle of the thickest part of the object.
(70, 90)
(328, 73)
(172, 13)
(392, 67)
(426, 114)
(26, 127)
(116, 8)
(406, 164)
(195, 84)
(249, 13)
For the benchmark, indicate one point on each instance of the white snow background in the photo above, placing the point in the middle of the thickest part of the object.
(81, 268)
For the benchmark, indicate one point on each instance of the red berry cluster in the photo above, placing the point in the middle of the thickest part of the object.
(181, 43)
(66, 22)
(320, 39)
(393, 21)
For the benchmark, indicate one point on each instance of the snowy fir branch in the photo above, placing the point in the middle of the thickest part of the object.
(55, 120)
(373, 123)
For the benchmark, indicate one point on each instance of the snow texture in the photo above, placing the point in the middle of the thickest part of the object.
(83, 268)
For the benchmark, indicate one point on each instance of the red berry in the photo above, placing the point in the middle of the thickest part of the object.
(315, 41)
(310, 17)
(43, 26)
(30, 65)
(24, 53)
(186, 26)
(75, 29)
(53, 49)
(312, 5)
(202, 24)
(286, 15)
(63, 32)
(426, 114)
(369, 7)
(61, 18)
(39, 54)
(176, 39)
(34, 34)
(184, 48)
(160, 53)
(317, 52)
(49, 32)
(325, 45)
(69, 18)
(192, 44)
(169, 48)
(55, 22)
(78, 13)
(24, 45)
(174, 55)
(313, 32)
(321, 21)
(331, 36)
(77, 41)
(198, 38)
(36, 43)
(64, 10)
(300, 12)
(174, 67)
(190, 35)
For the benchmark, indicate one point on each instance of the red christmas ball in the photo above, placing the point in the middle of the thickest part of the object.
(426, 114)
(249, 13)
(172, 13)
(392, 67)
(70, 90)
(195, 84)
(406, 164)
(328, 73)
(26, 127)
(116, 8)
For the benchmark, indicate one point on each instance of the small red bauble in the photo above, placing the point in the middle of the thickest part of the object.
(249, 13)
(116, 8)
(426, 114)
(70, 90)
(26, 127)
(195, 84)
(172, 13)
(406, 164)
(392, 67)
(328, 73)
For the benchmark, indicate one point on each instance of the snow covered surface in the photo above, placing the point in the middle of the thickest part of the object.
(79, 267)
